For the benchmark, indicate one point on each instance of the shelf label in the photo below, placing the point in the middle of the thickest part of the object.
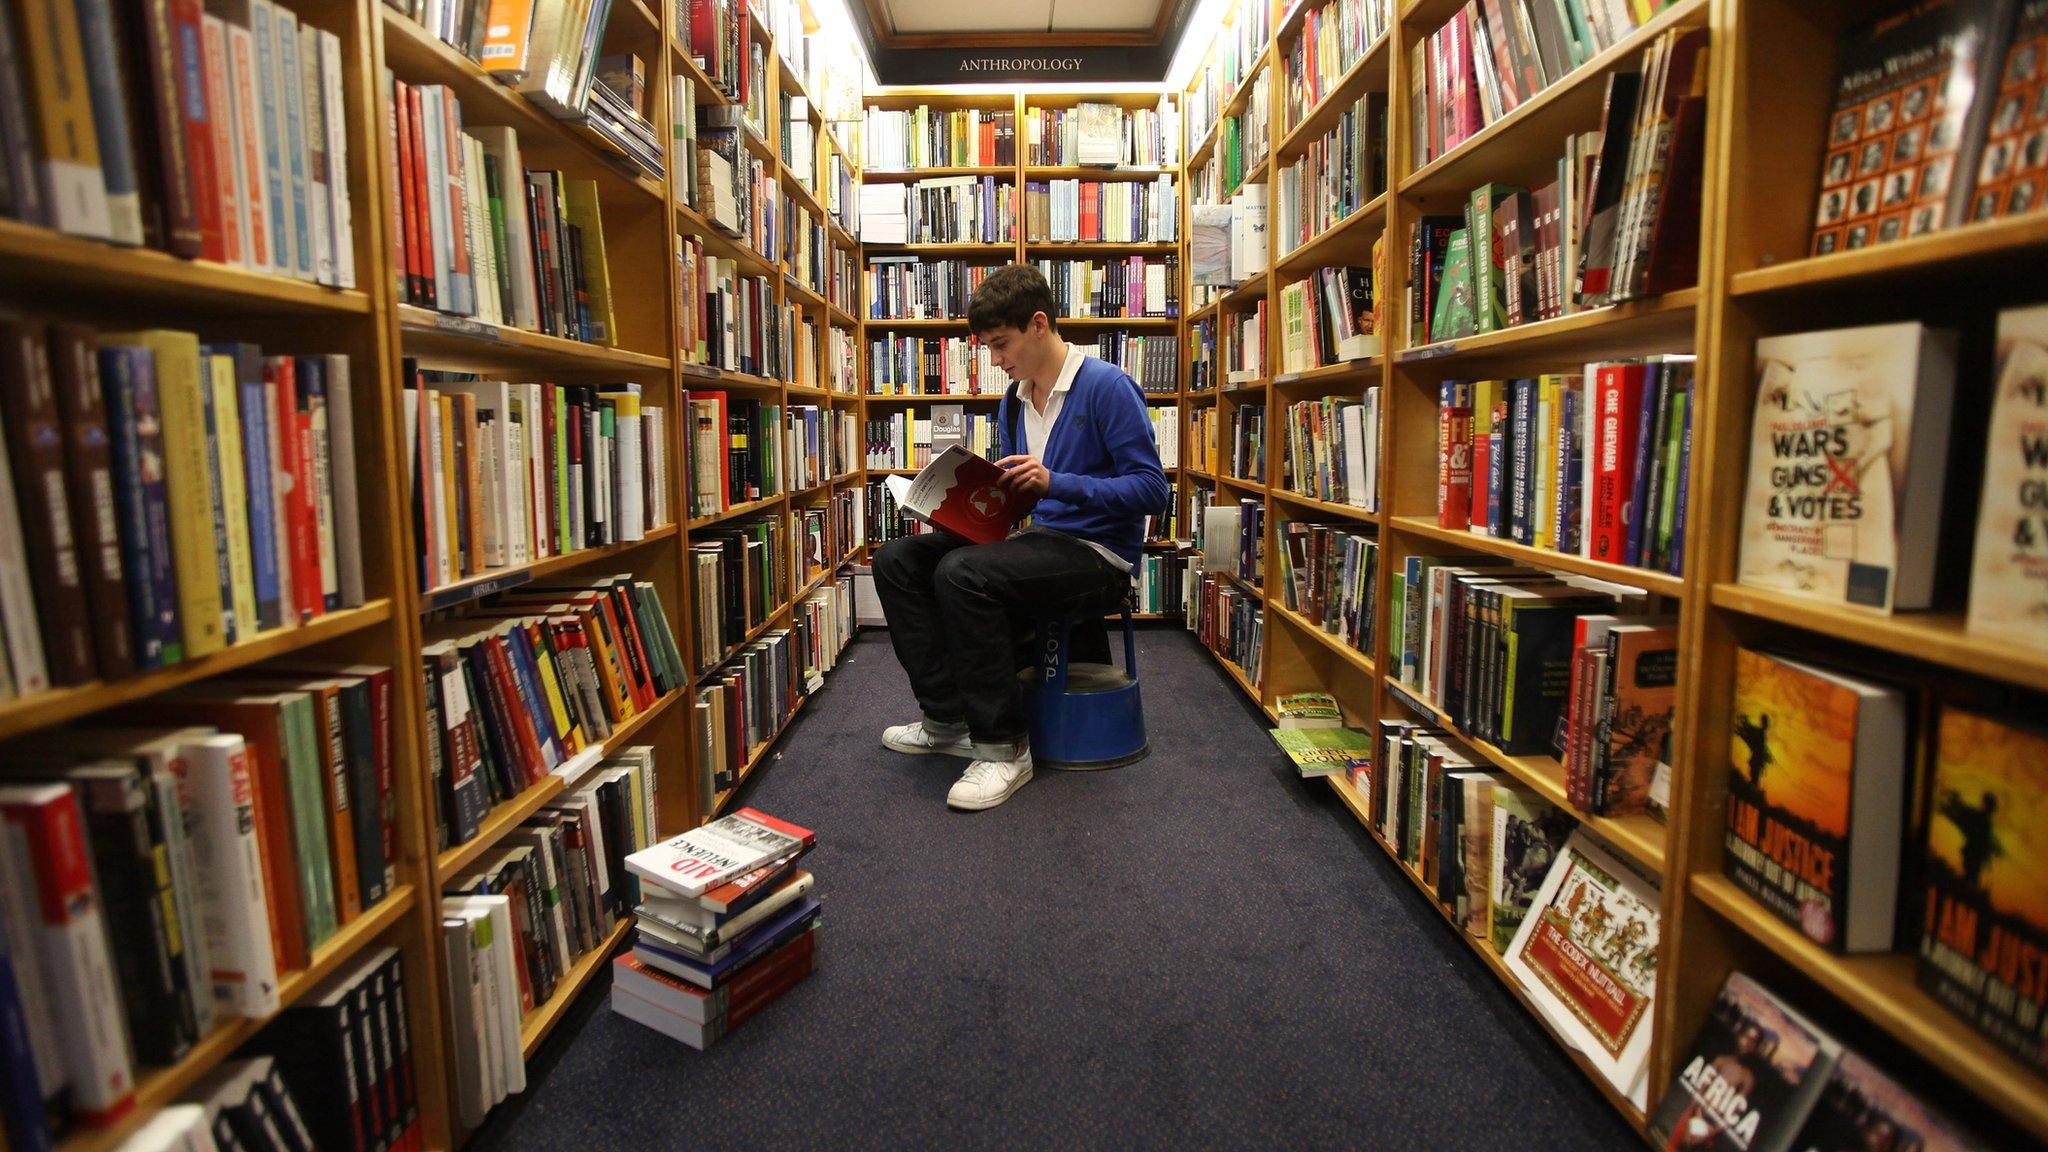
(1429, 351)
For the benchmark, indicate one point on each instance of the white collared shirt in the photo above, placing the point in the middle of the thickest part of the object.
(1038, 428)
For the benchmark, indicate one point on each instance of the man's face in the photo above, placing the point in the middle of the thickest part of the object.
(1016, 353)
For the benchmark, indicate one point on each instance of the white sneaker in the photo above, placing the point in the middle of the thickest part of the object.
(987, 783)
(918, 740)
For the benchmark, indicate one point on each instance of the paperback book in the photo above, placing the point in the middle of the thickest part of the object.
(960, 493)
(1752, 1076)
(703, 857)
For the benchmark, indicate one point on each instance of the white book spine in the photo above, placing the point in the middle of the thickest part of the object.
(313, 125)
(437, 193)
(227, 137)
(341, 209)
(274, 136)
(167, 792)
(234, 908)
(18, 919)
(341, 471)
(25, 657)
(292, 100)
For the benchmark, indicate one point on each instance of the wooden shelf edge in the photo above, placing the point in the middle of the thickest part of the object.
(736, 512)
(51, 255)
(1348, 511)
(1346, 90)
(1534, 336)
(1972, 243)
(1314, 253)
(1661, 583)
(1940, 637)
(483, 584)
(544, 1017)
(508, 342)
(58, 705)
(1343, 651)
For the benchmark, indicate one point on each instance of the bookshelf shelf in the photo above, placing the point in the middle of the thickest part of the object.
(841, 238)
(1661, 583)
(1638, 837)
(1118, 321)
(937, 398)
(458, 340)
(1249, 487)
(1630, 328)
(806, 391)
(924, 323)
(1958, 256)
(709, 95)
(722, 243)
(58, 705)
(40, 261)
(510, 814)
(1325, 507)
(1367, 74)
(963, 248)
(841, 316)
(501, 579)
(727, 378)
(1343, 651)
(1090, 172)
(1347, 242)
(912, 175)
(1484, 950)
(1252, 288)
(642, 16)
(1937, 638)
(542, 1020)
(1882, 988)
(1349, 370)
(1093, 248)
(1245, 685)
(1256, 174)
(736, 512)
(156, 1087)
(803, 294)
(1523, 147)
(804, 194)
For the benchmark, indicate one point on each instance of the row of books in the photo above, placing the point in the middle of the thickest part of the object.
(939, 210)
(1244, 352)
(824, 536)
(1246, 458)
(821, 444)
(1169, 524)
(1594, 465)
(902, 140)
(1227, 238)
(533, 683)
(883, 519)
(1102, 211)
(1135, 286)
(732, 321)
(1165, 436)
(824, 620)
(514, 923)
(546, 51)
(744, 704)
(1236, 48)
(1232, 536)
(932, 366)
(171, 871)
(1881, 539)
(1327, 318)
(161, 499)
(1201, 442)
(1334, 36)
(617, 111)
(1159, 578)
(1152, 359)
(217, 133)
(1242, 145)
(727, 923)
(734, 452)
(1228, 620)
(1335, 176)
(501, 474)
(1329, 576)
(1332, 449)
(1936, 123)
(903, 440)
(1203, 373)
(741, 575)
(912, 288)
(1493, 56)
(717, 36)
(1099, 134)
(1835, 828)
(480, 235)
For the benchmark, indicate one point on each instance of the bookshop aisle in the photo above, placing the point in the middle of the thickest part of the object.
(1201, 947)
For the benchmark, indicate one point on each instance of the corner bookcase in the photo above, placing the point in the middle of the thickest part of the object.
(1769, 96)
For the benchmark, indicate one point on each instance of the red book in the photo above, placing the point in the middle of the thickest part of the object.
(421, 240)
(777, 824)
(520, 720)
(295, 472)
(1454, 455)
(958, 493)
(1617, 397)
(397, 151)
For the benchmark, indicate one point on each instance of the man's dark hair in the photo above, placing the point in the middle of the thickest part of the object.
(1009, 297)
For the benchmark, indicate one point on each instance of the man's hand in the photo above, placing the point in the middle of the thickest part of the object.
(1024, 475)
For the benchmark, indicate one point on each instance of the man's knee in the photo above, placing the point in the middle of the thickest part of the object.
(893, 562)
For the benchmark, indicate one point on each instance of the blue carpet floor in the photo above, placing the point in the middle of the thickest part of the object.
(1198, 951)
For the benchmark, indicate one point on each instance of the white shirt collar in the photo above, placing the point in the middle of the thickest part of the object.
(1069, 368)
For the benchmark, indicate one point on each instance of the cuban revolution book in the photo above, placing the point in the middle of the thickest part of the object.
(958, 492)
(1847, 459)
(1587, 954)
(1984, 937)
(1750, 1079)
(1817, 774)
(1860, 1108)
(2009, 576)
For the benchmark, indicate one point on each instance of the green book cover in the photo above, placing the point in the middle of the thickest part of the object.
(1489, 286)
(1309, 710)
(302, 770)
(1454, 312)
(1667, 501)
(1322, 751)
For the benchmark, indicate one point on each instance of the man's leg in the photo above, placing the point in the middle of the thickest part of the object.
(982, 591)
(905, 569)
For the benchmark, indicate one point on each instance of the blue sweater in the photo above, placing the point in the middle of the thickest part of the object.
(1105, 468)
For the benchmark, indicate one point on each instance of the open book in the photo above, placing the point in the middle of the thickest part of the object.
(958, 492)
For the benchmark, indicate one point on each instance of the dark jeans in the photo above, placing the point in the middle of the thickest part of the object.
(961, 617)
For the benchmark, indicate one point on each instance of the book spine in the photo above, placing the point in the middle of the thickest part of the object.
(103, 71)
(95, 516)
(35, 446)
(135, 443)
(289, 90)
(169, 45)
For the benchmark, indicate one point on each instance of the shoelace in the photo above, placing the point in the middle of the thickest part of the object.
(979, 772)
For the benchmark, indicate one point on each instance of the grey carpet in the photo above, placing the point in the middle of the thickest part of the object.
(1198, 951)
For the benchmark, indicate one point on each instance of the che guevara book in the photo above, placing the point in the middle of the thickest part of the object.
(1752, 1076)
(693, 862)
(1587, 955)
(959, 492)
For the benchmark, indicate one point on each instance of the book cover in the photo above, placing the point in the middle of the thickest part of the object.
(1848, 450)
(2009, 574)
(1454, 315)
(1587, 955)
(1322, 751)
(2012, 171)
(959, 492)
(1816, 798)
(1985, 932)
(1750, 1079)
(693, 862)
(1528, 832)
(1861, 1107)
(1642, 687)
(1308, 710)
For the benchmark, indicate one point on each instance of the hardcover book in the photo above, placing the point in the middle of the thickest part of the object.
(1985, 931)
(1322, 751)
(702, 857)
(1846, 464)
(959, 493)
(1751, 1078)
(2009, 577)
(1587, 955)
(1528, 831)
(1861, 1105)
(2012, 171)
(1817, 771)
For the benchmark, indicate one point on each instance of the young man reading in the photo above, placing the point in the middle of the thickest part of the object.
(1074, 436)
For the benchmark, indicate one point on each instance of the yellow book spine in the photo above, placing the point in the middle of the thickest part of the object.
(583, 213)
(234, 492)
(609, 673)
(188, 484)
(67, 144)
(1550, 398)
(551, 686)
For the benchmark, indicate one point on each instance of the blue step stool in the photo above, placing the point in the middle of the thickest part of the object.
(1084, 716)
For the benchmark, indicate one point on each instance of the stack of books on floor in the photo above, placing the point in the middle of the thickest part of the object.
(726, 924)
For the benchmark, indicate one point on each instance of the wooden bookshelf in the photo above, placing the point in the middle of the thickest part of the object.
(50, 262)
(1661, 583)
(536, 1025)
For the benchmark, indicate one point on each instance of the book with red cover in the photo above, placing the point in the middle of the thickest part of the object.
(958, 492)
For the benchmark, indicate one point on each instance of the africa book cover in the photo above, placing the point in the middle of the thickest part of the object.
(1750, 1079)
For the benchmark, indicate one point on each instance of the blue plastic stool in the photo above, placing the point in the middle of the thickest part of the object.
(1084, 716)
